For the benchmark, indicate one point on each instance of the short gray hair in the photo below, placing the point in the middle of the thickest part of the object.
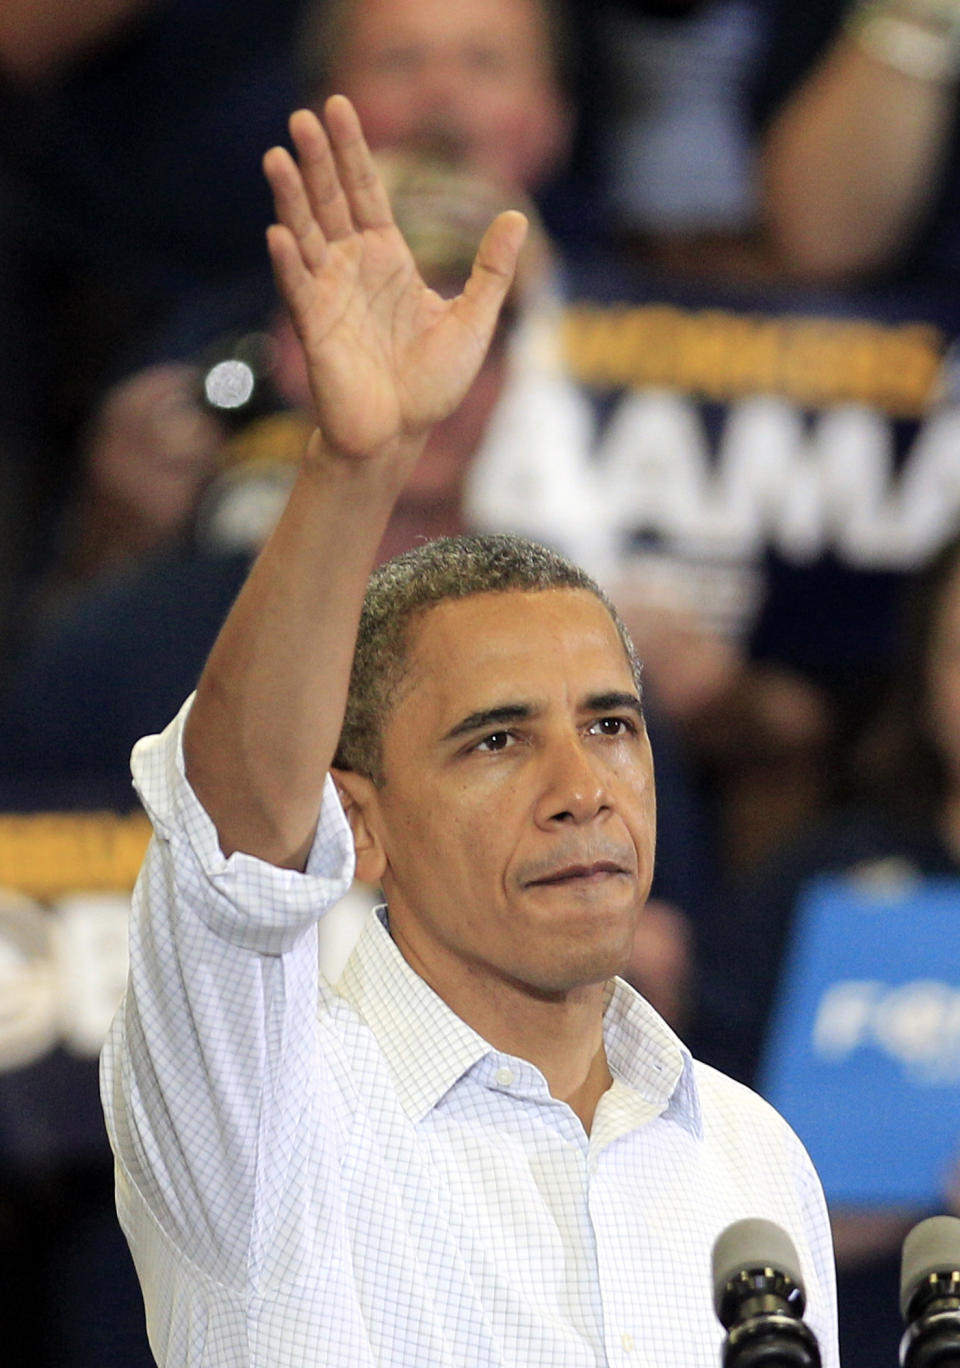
(402, 590)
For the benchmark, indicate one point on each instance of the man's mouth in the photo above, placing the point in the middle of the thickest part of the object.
(595, 872)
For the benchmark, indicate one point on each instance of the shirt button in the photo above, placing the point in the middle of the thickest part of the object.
(627, 1342)
(504, 1077)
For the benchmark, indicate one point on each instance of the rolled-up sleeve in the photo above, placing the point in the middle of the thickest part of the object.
(242, 899)
(211, 1066)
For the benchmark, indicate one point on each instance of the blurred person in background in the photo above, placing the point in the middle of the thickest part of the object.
(855, 106)
(857, 158)
(499, 87)
(480, 85)
(148, 452)
(138, 256)
(105, 222)
(886, 869)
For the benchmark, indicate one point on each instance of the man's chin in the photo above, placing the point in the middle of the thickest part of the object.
(591, 967)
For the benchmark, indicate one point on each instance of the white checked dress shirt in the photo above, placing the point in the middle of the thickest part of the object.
(339, 1178)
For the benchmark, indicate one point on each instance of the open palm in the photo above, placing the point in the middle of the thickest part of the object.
(386, 356)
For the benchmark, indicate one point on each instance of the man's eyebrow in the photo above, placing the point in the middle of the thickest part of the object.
(507, 713)
(500, 716)
(612, 702)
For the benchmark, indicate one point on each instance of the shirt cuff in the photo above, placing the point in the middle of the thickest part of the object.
(243, 899)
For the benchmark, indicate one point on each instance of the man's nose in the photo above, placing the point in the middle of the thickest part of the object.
(574, 783)
(443, 83)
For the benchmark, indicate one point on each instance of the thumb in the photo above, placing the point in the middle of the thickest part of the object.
(494, 267)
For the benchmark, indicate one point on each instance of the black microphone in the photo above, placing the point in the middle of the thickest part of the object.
(758, 1294)
(930, 1294)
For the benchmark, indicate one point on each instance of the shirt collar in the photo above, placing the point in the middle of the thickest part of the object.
(428, 1048)
(426, 1045)
(646, 1055)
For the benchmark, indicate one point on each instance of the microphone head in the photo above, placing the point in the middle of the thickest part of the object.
(752, 1245)
(931, 1247)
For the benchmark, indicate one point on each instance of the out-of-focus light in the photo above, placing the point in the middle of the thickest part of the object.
(229, 384)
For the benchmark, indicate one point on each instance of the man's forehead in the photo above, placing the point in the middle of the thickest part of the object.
(528, 627)
(384, 20)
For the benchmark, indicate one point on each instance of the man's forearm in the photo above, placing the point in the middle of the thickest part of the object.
(39, 37)
(851, 163)
(386, 358)
(266, 719)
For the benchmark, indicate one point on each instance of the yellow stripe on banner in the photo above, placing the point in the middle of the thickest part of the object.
(47, 854)
(720, 355)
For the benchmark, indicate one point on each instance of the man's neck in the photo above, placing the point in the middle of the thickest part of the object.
(562, 1038)
(585, 1097)
(561, 1034)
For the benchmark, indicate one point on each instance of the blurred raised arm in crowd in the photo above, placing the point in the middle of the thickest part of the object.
(861, 159)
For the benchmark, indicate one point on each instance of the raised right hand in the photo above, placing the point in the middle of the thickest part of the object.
(386, 356)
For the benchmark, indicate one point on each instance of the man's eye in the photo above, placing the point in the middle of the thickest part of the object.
(490, 61)
(398, 61)
(613, 726)
(496, 741)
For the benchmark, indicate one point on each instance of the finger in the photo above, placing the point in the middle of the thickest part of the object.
(292, 207)
(319, 172)
(295, 284)
(492, 275)
(368, 200)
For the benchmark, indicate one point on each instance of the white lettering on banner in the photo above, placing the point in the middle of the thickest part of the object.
(654, 465)
(777, 481)
(28, 983)
(533, 475)
(802, 486)
(62, 973)
(852, 453)
(90, 952)
(843, 1016)
(915, 1023)
(63, 967)
(929, 510)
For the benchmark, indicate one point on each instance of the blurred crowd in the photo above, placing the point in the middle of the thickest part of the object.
(727, 381)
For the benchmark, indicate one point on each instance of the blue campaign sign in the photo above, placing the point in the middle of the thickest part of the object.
(863, 1058)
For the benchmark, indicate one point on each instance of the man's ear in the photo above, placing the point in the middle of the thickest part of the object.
(358, 794)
